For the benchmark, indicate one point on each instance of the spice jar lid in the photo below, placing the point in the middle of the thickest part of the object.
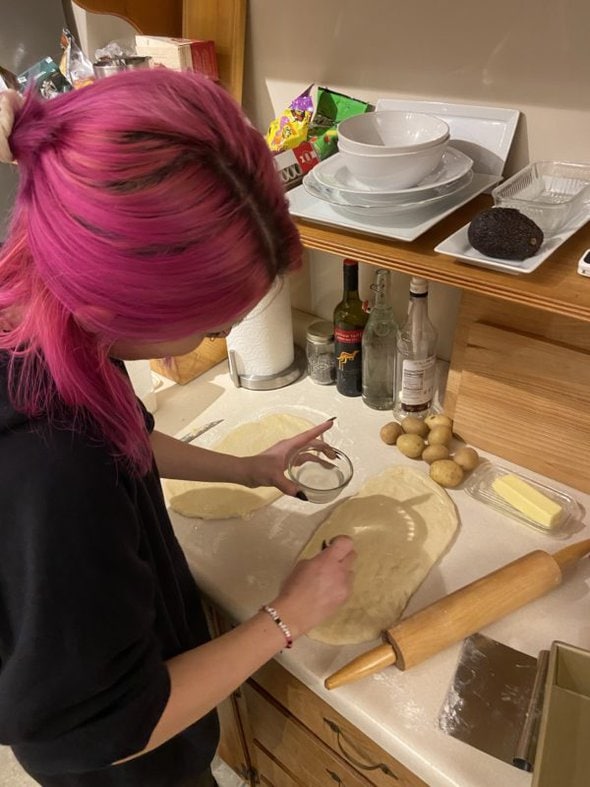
(320, 332)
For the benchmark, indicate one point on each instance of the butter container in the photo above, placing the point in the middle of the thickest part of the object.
(479, 486)
(563, 754)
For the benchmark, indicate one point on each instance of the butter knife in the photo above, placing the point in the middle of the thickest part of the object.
(190, 436)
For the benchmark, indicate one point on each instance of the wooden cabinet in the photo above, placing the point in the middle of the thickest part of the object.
(223, 21)
(277, 732)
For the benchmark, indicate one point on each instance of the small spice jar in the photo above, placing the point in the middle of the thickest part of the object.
(321, 365)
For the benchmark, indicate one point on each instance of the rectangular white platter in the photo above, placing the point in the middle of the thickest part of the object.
(484, 133)
(457, 245)
(407, 224)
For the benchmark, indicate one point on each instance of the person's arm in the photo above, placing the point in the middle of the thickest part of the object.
(186, 462)
(201, 678)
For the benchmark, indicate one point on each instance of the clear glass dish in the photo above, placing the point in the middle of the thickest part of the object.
(479, 486)
(551, 193)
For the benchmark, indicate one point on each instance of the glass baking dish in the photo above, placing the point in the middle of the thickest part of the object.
(479, 486)
(551, 193)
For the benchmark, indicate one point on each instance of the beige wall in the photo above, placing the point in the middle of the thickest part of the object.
(533, 55)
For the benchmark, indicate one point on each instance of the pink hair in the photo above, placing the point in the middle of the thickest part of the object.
(148, 210)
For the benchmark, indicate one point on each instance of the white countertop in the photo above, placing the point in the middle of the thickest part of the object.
(240, 564)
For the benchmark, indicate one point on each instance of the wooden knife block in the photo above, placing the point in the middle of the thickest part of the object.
(519, 387)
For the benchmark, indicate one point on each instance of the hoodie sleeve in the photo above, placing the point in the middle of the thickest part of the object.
(82, 681)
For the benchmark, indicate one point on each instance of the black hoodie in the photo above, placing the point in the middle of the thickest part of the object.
(95, 593)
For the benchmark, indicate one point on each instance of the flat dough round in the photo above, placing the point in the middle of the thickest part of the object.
(207, 500)
(401, 523)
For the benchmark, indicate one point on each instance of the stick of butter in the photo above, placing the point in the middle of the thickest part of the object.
(528, 500)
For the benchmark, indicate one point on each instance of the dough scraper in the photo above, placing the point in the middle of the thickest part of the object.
(494, 702)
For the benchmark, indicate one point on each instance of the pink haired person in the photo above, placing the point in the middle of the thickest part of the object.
(148, 216)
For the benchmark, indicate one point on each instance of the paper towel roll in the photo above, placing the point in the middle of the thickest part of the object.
(262, 343)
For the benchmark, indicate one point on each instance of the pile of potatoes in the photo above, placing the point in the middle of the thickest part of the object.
(430, 439)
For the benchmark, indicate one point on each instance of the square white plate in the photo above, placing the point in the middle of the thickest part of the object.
(482, 133)
(402, 225)
(457, 245)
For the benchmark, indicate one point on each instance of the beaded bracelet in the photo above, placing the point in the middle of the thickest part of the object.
(277, 619)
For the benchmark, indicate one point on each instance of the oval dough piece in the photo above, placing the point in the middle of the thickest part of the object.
(401, 523)
(208, 500)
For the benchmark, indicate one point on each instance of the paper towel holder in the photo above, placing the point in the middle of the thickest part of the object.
(268, 382)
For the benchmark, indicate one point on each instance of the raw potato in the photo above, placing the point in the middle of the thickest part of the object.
(446, 472)
(411, 424)
(433, 452)
(467, 458)
(438, 420)
(440, 435)
(411, 445)
(390, 432)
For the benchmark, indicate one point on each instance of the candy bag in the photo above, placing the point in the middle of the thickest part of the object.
(331, 108)
(289, 129)
(74, 65)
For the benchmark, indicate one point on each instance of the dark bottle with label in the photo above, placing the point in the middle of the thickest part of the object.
(350, 319)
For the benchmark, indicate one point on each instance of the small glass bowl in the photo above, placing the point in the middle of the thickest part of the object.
(321, 474)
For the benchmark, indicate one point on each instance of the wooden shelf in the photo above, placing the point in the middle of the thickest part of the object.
(554, 287)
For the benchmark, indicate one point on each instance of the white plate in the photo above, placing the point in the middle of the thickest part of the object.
(393, 202)
(483, 133)
(334, 174)
(341, 203)
(403, 225)
(457, 245)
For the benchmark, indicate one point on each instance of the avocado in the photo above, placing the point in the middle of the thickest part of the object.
(505, 233)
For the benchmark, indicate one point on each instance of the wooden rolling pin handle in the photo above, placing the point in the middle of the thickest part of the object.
(568, 556)
(370, 662)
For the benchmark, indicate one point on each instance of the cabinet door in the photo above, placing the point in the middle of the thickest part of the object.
(293, 747)
(232, 749)
(334, 730)
(269, 772)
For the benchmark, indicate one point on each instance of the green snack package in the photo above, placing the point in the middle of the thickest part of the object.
(331, 108)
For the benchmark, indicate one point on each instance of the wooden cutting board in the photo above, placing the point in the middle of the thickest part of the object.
(526, 399)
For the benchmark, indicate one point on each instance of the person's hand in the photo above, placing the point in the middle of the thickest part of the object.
(268, 468)
(317, 587)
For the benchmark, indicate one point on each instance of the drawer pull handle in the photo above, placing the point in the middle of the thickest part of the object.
(380, 766)
(334, 776)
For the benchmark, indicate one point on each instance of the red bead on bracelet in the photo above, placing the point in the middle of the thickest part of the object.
(277, 619)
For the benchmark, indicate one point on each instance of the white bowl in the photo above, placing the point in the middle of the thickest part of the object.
(394, 170)
(391, 131)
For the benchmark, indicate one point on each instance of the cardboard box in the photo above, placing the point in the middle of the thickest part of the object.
(184, 368)
(180, 54)
(293, 164)
(563, 753)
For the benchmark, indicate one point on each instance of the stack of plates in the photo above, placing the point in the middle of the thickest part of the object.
(331, 181)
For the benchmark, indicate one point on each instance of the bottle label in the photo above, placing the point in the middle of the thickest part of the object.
(348, 360)
(418, 382)
(354, 336)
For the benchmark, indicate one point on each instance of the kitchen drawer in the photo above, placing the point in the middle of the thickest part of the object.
(333, 729)
(299, 752)
(269, 771)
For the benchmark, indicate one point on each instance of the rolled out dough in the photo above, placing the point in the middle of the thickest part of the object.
(401, 522)
(208, 500)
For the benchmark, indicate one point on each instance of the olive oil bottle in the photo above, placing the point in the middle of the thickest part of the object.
(350, 319)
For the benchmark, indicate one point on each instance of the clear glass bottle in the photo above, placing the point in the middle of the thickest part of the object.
(378, 350)
(415, 361)
(350, 319)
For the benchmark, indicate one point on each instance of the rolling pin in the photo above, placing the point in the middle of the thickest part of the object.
(463, 612)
